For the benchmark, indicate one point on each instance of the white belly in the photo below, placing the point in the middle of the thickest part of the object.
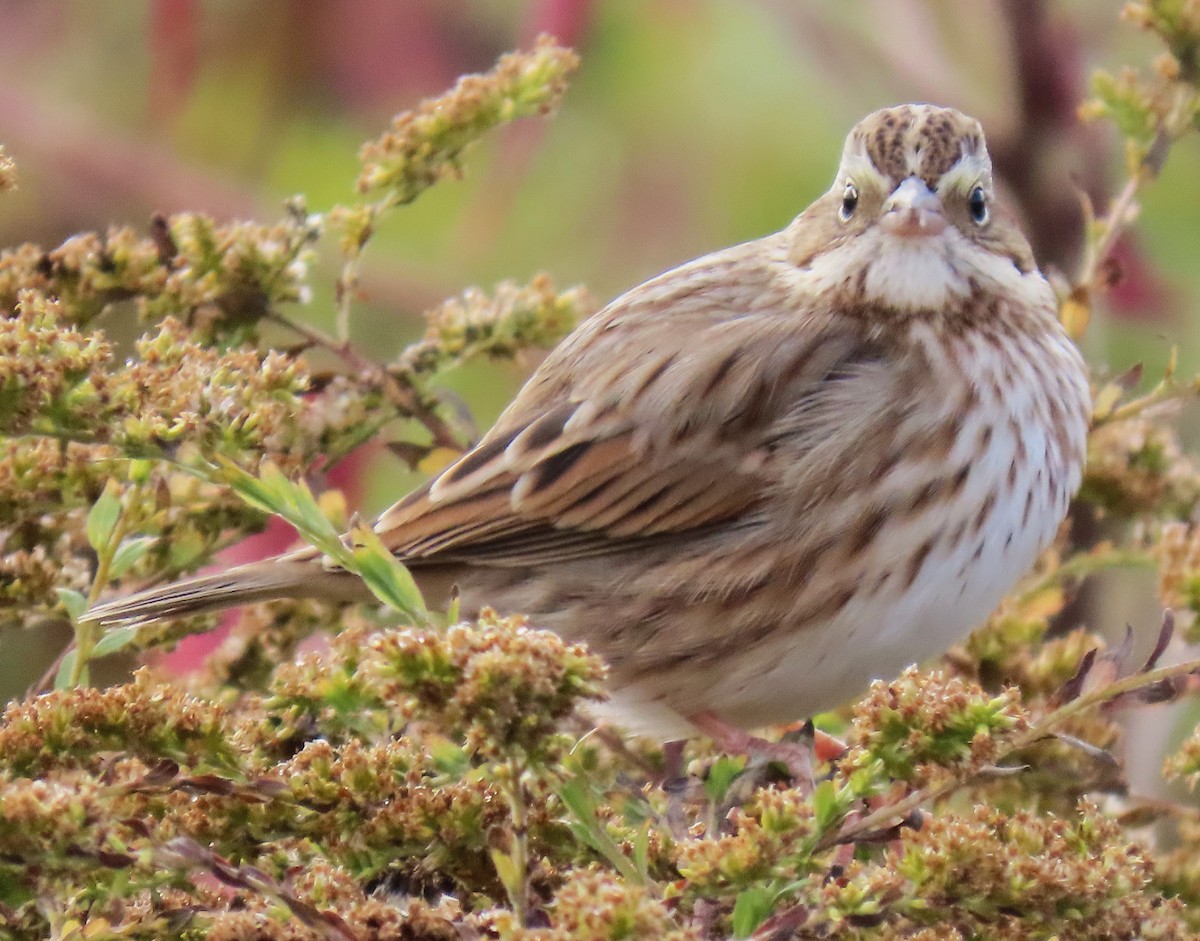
(956, 589)
(878, 633)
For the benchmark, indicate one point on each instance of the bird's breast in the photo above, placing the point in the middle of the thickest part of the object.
(900, 567)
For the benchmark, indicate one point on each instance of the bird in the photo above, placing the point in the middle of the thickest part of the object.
(759, 481)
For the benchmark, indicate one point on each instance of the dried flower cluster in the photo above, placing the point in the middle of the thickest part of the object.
(61, 383)
(200, 387)
(1023, 876)
(217, 278)
(1178, 553)
(125, 792)
(426, 145)
(923, 722)
(75, 418)
(1137, 466)
(515, 318)
(336, 774)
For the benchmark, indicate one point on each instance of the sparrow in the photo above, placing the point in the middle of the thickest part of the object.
(768, 476)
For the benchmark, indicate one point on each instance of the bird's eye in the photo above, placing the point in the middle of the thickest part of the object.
(849, 201)
(977, 203)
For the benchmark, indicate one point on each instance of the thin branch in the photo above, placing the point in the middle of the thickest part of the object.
(887, 816)
(403, 395)
(520, 841)
(1122, 211)
(1089, 563)
(1165, 391)
(1174, 124)
(46, 680)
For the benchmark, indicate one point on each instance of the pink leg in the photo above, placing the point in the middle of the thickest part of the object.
(673, 759)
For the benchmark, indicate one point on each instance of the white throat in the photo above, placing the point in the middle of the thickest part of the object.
(913, 273)
(927, 273)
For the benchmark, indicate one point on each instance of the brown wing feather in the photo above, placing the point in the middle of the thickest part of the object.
(655, 418)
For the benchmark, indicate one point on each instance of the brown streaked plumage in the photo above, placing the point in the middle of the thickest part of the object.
(760, 479)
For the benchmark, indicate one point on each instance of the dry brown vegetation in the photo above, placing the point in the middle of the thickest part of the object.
(412, 781)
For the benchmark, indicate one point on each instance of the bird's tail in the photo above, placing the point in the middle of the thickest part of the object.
(280, 577)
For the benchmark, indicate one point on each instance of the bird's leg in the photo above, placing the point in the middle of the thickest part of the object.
(795, 756)
(675, 784)
(673, 760)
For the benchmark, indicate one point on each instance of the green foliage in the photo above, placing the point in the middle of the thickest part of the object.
(926, 721)
(272, 492)
(354, 772)
(1152, 112)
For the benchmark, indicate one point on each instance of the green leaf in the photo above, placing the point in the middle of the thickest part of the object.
(103, 516)
(388, 580)
(74, 602)
(448, 757)
(272, 492)
(751, 908)
(260, 492)
(62, 679)
(577, 796)
(641, 850)
(116, 639)
(128, 554)
(724, 771)
(506, 871)
(827, 808)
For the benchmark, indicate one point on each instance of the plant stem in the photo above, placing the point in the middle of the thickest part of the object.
(347, 284)
(886, 816)
(520, 844)
(87, 631)
(1089, 563)
(1163, 392)
(402, 395)
(1118, 216)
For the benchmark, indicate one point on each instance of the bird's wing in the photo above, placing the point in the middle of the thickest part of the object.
(662, 415)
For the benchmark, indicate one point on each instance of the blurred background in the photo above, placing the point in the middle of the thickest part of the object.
(691, 125)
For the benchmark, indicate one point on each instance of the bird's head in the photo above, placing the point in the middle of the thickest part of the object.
(911, 219)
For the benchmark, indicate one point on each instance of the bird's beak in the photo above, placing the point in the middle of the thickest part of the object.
(913, 210)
